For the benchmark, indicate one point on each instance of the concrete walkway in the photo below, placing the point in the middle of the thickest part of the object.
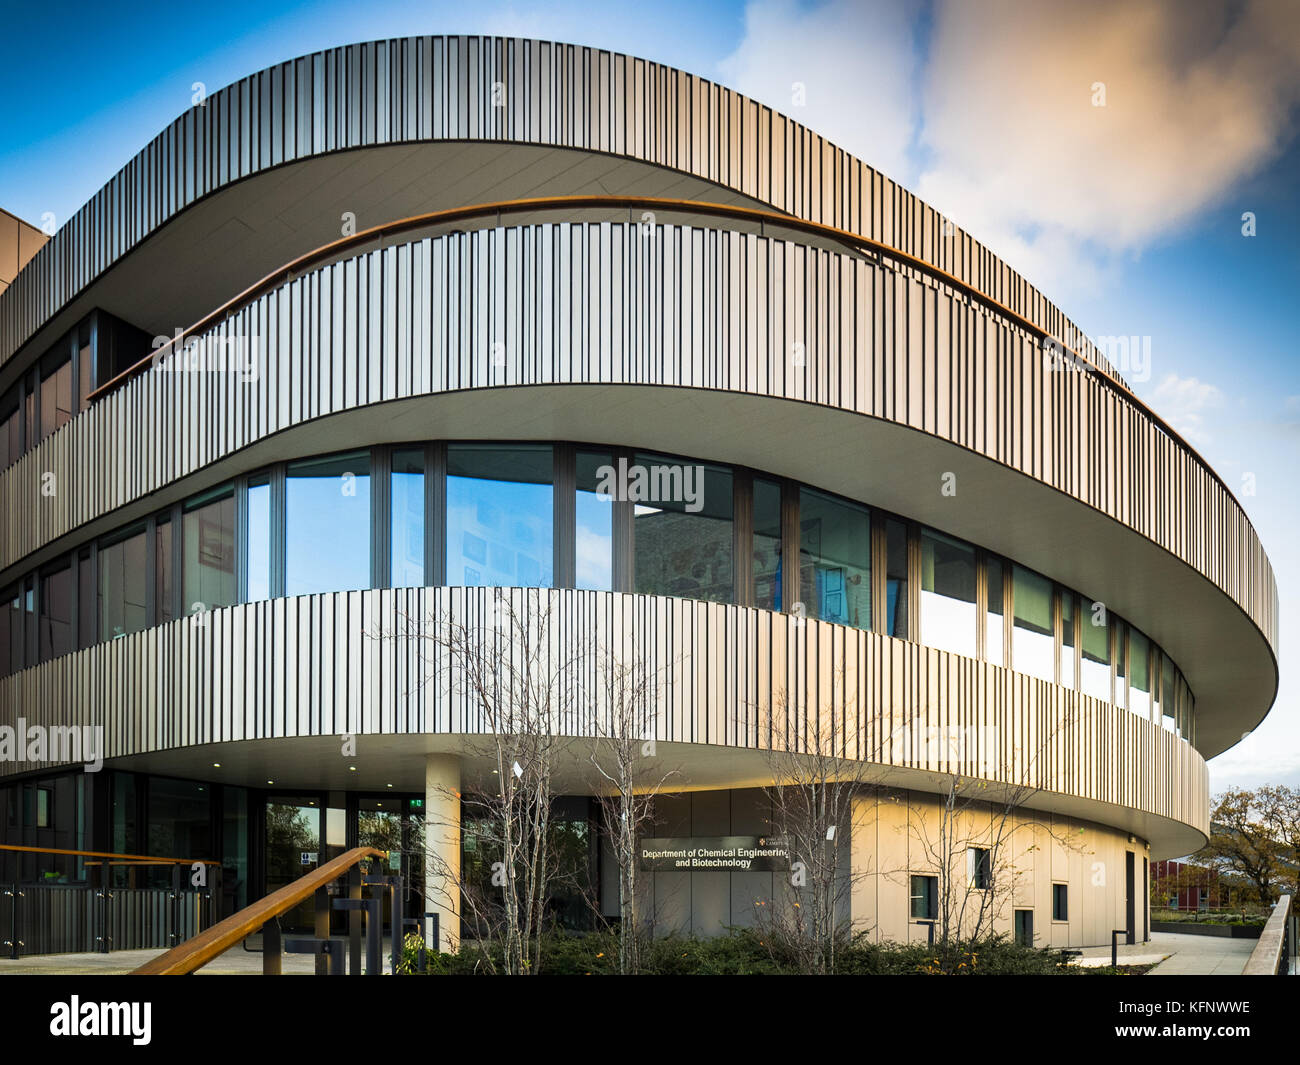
(1175, 954)
(234, 962)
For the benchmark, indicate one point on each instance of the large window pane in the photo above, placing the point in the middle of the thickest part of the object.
(56, 398)
(767, 544)
(594, 531)
(682, 528)
(180, 823)
(259, 539)
(407, 506)
(11, 429)
(1033, 647)
(327, 524)
(1121, 662)
(1095, 647)
(11, 627)
(896, 578)
(1168, 682)
(834, 559)
(500, 523)
(948, 613)
(56, 613)
(163, 572)
(1067, 637)
(1139, 683)
(85, 366)
(87, 601)
(208, 533)
(995, 614)
(122, 603)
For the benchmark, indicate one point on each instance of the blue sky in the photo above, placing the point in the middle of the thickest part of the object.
(1128, 214)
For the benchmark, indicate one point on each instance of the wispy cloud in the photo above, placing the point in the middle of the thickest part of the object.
(1187, 404)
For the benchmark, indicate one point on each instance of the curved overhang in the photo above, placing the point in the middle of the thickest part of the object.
(1226, 659)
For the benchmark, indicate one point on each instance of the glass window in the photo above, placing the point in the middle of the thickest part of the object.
(925, 898)
(56, 398)
(259, 539)
(1033, 639)
(11, 429)
(11, 630)
(327, 524)
(1168, 676)
(980, 868)
(1121, 662)
(208, 547)
(235, 846)
(948, 611)
(594, 528)
(994, 618)
(896, 578)
(180, 823)
(56, 613)
(85, 366)
(1067, 637)
(163, 572)
(122, 602)
(1094, 645)
(834, 559)
(500, 520)
(1139, 653)
(87, 607)
(1060, 902)
(767, 544)
(682, 528)
(406, 548)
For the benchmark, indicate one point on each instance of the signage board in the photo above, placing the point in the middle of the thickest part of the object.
(731, 854)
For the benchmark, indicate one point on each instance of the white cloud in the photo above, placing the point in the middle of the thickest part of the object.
(856, 61)
(1186, 403)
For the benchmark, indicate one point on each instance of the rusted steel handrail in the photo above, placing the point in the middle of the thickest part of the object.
(197, 952)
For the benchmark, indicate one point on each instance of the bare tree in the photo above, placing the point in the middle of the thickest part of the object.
(629, 776)
(518, 679)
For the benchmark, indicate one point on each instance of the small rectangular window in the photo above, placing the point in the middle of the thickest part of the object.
(1060, 902)
(925, 898)
(981, 868)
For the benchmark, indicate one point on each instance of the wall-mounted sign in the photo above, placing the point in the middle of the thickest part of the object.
(308, 857)
(738, 854)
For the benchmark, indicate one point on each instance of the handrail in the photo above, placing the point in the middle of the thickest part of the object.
(152, 858)
(194, 953)
(1267, 955)
(846, 237)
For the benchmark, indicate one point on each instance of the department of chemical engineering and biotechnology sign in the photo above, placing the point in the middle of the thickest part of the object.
(728, 854)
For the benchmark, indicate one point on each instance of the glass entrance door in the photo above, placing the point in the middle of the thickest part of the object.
(293, 826)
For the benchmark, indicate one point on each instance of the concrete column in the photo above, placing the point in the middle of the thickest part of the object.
(442, 847)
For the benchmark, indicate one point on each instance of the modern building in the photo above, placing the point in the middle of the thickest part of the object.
(420, 298)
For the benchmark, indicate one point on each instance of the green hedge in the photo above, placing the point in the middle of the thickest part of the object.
(743, 953)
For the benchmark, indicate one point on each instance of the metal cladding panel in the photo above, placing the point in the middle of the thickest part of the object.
(533, 305)
(493, 89)
(722, 675)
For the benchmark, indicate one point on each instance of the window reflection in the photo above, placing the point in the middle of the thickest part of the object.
(259, 539)
(995, 614)
(1139, 650)
(407, 509)
(56, 613)
(896, 578)
(948, 612)
(1094, 675)
(767, 544)
(1120, 630)
(327, 524)
(163, 572)
(500, 525)
(208, 545)
(1168, 678)
(594, 524)
(122, 602)
(1067, 637)
(686, 553)
(834, 559)
(1033, 647)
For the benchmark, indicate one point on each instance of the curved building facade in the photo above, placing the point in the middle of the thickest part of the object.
(401, 335)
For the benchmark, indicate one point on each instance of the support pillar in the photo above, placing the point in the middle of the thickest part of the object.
(442, 849)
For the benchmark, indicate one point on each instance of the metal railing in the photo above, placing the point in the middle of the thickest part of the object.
(264, 916)
(96, 915)
(1277, 943)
